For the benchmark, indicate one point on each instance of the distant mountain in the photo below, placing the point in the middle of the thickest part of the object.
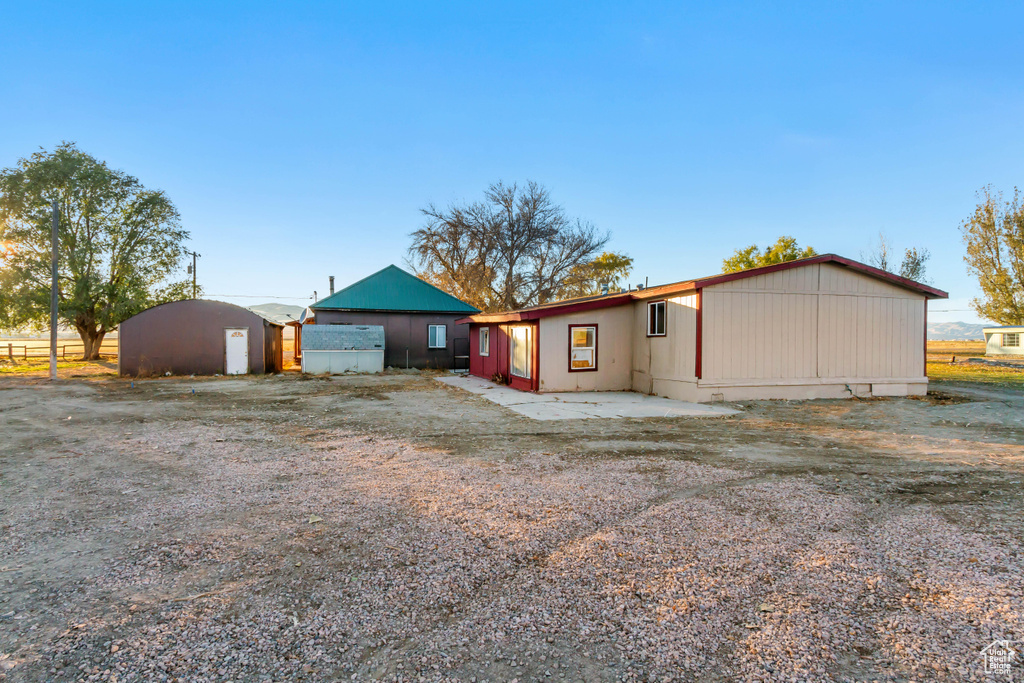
(955, 331)
(281, 313)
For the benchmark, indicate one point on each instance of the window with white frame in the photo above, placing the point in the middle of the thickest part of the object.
(1011, 338)
(485, 341)
(582, 348)
(656, 319)
(437, 336)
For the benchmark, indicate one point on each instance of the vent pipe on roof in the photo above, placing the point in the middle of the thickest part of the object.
(332, 285)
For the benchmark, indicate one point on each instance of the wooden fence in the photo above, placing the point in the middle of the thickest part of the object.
(31, 348)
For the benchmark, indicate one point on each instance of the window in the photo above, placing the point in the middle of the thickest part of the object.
(520, 350)
(1011, 338)
(656, 319)
(437, 336)
(485, 341)
(582, 348)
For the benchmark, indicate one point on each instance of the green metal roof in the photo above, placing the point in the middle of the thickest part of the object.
(393, 289)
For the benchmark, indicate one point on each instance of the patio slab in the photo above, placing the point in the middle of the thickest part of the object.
(584, 404)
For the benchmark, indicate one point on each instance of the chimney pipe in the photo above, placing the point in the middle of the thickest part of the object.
(332, 285)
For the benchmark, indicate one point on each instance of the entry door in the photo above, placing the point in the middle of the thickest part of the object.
(520, 351)
(236, 351)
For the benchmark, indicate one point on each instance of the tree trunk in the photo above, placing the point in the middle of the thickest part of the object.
(91, 340)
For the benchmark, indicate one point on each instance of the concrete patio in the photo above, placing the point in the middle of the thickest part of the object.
(583, 404)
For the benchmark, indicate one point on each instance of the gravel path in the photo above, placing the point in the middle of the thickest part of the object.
(247, 551)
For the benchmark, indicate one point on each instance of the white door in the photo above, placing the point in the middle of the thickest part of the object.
(236, 351)
(520, 351)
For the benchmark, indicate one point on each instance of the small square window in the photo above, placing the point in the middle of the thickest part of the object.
(582, 348)
(1011, 339)
(485, 341)
(656, 319)
(437, 337)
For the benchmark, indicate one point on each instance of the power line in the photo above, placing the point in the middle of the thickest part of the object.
(257, 296)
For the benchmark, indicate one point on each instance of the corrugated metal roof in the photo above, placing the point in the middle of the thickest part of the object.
(342, 337)
(393, 289)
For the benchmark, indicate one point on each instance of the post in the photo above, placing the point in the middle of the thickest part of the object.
(53, 291)
(194, 256)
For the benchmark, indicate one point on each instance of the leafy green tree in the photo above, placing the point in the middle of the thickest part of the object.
(784, 249)
(994, 237)
(589, 279)
(119, 244)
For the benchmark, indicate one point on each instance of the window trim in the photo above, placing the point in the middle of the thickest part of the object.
(445, 328)
(484, 351)
(664, 320)
(1016, 336)
(588, 326)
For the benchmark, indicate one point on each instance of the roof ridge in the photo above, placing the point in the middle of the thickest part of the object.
(396, 277)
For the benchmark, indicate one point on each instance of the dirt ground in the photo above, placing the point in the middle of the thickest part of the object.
(391, 528)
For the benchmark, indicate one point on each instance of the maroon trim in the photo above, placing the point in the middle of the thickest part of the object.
(549, 310)
(532, 383)
(661, 290)
(649, 304)
(536, 356)
(698, 359)
(577, 306)
(571, 328)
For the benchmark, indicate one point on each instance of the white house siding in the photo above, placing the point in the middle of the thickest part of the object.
(811, 332)
(614, 350)
(666, 366)
(994, 341)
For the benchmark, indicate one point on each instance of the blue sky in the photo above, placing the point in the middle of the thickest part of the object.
(300, 143)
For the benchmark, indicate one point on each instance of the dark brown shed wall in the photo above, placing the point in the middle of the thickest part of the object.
(187, 338)
(408, 331)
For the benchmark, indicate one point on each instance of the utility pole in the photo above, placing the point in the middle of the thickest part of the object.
(192, 269)
(53, 291)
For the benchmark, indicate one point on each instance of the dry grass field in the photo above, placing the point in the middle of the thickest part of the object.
(392, 528)
(944, 350)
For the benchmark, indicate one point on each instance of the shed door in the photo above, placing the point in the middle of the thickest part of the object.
(236, 351)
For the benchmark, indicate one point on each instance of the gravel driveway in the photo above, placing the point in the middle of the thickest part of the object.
(390, 528)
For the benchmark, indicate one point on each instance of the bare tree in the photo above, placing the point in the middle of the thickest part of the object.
(911, 267)
(879, 255)
(515, 248)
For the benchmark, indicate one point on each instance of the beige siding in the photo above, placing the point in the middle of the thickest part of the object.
(672, 358)
(813, 323)
(614, 351)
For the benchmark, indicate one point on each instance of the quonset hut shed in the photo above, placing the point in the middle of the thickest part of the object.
(419, 320)
(198, 337)
(822, 327)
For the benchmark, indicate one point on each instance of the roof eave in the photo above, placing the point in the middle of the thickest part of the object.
(550, 310)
